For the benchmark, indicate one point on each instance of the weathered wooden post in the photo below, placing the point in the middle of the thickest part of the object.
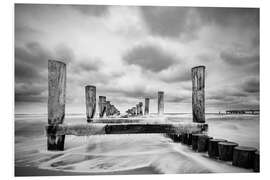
(90, 100)
(256, 164)
(112, 110)
(244, 156)
(226, 150)
(186, 138)
(56, 102)
(194, 141)
(108, 106)
(198, 98)
(213, 147)
(137, 109)
(102, 105)
(140, 108)
(133, 111)
(160, 102)
(146, 106)
(203, 143)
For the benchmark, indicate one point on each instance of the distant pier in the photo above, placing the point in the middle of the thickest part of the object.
(250, 111)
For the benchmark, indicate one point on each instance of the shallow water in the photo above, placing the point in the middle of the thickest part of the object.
(118, 153)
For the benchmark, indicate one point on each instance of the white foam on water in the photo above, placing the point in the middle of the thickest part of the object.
(113, 153)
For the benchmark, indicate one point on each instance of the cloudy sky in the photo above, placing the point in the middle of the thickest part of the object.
(131, 52)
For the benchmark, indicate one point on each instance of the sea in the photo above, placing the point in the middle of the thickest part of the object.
(126, 153)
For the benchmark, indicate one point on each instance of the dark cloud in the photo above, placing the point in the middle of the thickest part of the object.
(31, 62)
(177, 99)
(136, 92)
(29, 92)
(92, 10)
(175, 74)
(149, 58)
(251, 85)
(227, 17)
(238, 58)
(169, 21)
(226, 95)
(32, 59)
(25, 72)
(87, 65)
(185, 22)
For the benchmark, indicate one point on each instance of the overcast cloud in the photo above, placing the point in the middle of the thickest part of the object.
(131, 52)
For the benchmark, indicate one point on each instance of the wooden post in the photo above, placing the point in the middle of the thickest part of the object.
(133, 110)
(175, 137)
(244, 156)
(140, 108)
(108, 106)
(203, 143)
(213, 147)
(257, 162)
(146, 106)
(226, 150)
(90, 100)
(198, 97)
(137, 109)
(102, 105)
(56, 102)
(186, 138)
(160, 102)
(194, 141)
(113, 110)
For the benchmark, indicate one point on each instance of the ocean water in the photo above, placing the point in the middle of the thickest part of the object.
(155, 153)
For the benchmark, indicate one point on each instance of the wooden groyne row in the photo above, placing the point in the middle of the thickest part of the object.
(57, 98)
(138, 109)
(193, 134)
(105, 107)
(221, 149)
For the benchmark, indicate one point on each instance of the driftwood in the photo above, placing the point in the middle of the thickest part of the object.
(226, 150)
(244, 156)
(198, 97)
(213, 147)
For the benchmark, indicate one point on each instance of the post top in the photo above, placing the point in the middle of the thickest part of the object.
(90, 86)
(245, 148)
(160, 92)
(102, 96)
(56, 61)
(228, 143)
(198, 67)
(218, 140)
